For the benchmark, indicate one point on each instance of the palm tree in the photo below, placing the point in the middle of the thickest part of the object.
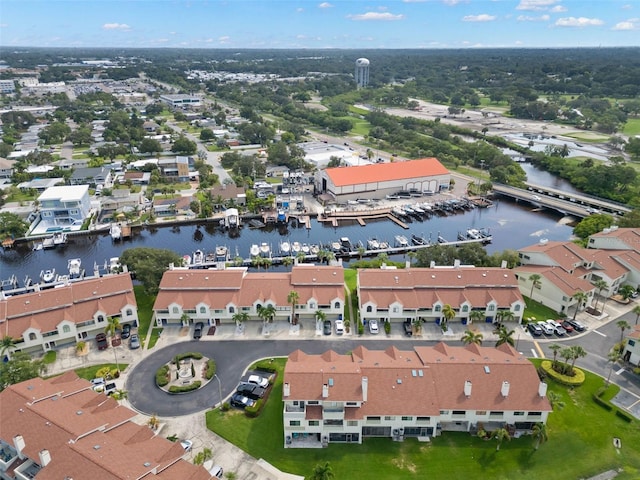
(614, 357)
(535, 282)
(361, 251)
(626, 291)
(293, 298)
(287, 261)
(203, 456)
(555, 348)
(622, 325)
(322, 472)
(505, 336)
(240, 318)
(576, 352)
(580, 298)
(113, 324)
(501, 434)
(555, 400)
(7, 344)
(448, 314)
(600, 285)
(473, 337)
(636, 310)
(320, 318)
(476, 315)
(566, 353)
(504, 316)
(266, 313)
(539, 433)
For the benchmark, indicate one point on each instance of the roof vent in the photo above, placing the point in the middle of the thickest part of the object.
(30, 387)
(399, 381)
(486, 369)
(147, 464)
(79, 412)
(96, 447)
(414, 373)
(206, 278)
(484, 274)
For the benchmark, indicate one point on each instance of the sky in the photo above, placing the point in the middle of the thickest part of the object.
(348, 24)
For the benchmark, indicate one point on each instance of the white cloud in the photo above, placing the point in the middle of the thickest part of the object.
(4, 25)
(527, 18)
(627, 7)
(299, 10)
(631, 24)
(558, 9)
(451, 2)
(116, 26)
(479, 18)
(535, 4)
(224, 39)
(325, 5)
(385, 16)
(578, 22)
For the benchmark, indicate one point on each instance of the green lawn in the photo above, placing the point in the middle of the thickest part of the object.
(89, 373)
(153, 339)
(588, 137)
(580, 445)
(145, 310)
(538, 311)
(632, 127)
(360, 126)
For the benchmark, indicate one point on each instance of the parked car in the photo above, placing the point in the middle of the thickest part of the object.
(126, 331)
(258, 380)
(557, 328)
(197, 332)
(240, 401)
(373, 327)
(186, 444)
(215, 471)
(566, 325)
(250, 390)
(577, 326)
(326, 327)
(408, 329)
(546, 328)
(339, 326)
(134, 341)
(534, 329)
(101, 340)
(109, 388)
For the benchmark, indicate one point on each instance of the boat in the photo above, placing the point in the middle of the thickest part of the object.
(254, 251)
(222, 253)
(418, 210)
(473, 234)
(296, 247)
(408, 210)
(441, 239)
(335, 246)
(417, 240)
(59, 238)
(314, 249)
(115, 266)
(282, 216)
(198, 257)
(373, 244)
(384, 245)
(48, 243)
(285, 248)
(74, 267)
(265, 249)
(345, 244)
(255, 223)
(48, 276)
(305, 249)
(115, 231)
(210, 257)
(401, 241)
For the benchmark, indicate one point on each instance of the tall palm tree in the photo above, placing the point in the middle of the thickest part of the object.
(266, 313)
(292, 299)
(320, 318)
(600, 285)
(539, 433)
(113, 324)
(287, 261)
(555, 348)
(500, 435)
(322, 472)
(7, 344)
(240, 318)
(505, 316)
(576, 352)
(505, 336)
(580, 298)
(534, 278)
(448, 313)
(636, 310)
(471, 336)
(476, 315)
(614, 357)
(566, 354)
(622, 325)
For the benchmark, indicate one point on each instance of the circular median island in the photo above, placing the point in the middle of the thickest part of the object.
(186, 372)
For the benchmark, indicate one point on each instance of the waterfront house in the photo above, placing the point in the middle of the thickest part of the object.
(178, 169)
(92, 176)
(62, 206)
(399, 394)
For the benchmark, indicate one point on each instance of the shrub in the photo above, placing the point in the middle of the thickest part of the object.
(226, 406)
(387, 327)
(162, 376)
(573, 381)
(185, 388)
(623, 416)
(254, 411)
(636, 370)
(182, 356)
(265, 366)
(50, 357)
(603, 403)
(360, 328)
(193, 370)
(210, 369)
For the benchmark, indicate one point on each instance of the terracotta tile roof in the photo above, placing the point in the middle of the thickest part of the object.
(564, 254)
(635, 333)
(418, 382)
(386, 172)
(607, 263)
(629, 236)
(566, 282)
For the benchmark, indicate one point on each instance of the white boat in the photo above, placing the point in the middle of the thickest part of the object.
(115, 231)
(254, 251)
(74, 267)
(335, 246)
(48, 276)
(306, 249)
(231, 218)
(48, 243)
(401, 241)
(295, 247)
(264, 249)
(285, 248)
(198, 257)
(345, 244)
(222, 253)
(59, 238)
(418, 209)
(373, 244)
(186, 260)
(384, 245)
(474, 234)
(314, 249)
(114, 264)
(398, 212)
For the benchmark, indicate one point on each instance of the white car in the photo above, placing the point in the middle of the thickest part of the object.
(546, 328)
(258, 380)
(339, 326)
(373, 327)
(186, 444)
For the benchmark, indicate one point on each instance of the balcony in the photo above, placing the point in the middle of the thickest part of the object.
(7, 456)
(288, 408)
(27, 471)
(333, 414)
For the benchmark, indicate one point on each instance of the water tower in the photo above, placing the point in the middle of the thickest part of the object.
(362, 72)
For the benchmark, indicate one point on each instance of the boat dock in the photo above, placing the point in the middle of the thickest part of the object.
(360, 216)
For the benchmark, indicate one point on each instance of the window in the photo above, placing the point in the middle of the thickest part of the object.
(312, 402)
(335, 423)
(377, 419)
(516, 308)
(496, 413)
(294, 423)
(32, 336)
(632, 343)
(465, 308)
(444, 412)
(66, 329)
(389, 417)
(492, 308)
(232, 310)
(437, 308)
(458, 412)
(352, 404)
(314, 423)
(424, 419)
(100, 318)
(352, 423)
(535, 414)
(518, 414)
(203, 309)
(481, 412)
(369, 309)
(407, 419)
(312, 305)
(336, 305)
(175, 310)
(395, 310)
(129, 312)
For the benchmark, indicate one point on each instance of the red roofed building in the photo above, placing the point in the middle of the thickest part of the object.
(380, 179)
(332, 398)
(60, 428)
(47, 319)
(215, 296)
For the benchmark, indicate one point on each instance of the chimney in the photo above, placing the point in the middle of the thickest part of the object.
(45, 457)
(467, 388)
(286, 390)
(365, 389)
(456, 263)
(542, 389)
(325, 390)
(432, 264)
(18, 442)
(503, 264)
(505, 389)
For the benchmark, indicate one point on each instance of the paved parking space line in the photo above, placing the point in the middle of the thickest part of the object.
(620, 371)
(633, 404)
(535, 354)
(599, 333)
(535, 344)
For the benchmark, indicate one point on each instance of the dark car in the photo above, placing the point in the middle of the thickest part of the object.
(250, 390)
(126, 331)
(197, 332)
(326, 327)
(101, 339)
(577, 326)
(534, 329)
(566, 325)
(240, 401)
(408, 329)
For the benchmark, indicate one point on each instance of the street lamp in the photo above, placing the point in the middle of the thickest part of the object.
(219, 387)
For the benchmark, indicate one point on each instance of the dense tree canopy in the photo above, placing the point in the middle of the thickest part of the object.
(18, 368)
(148, 265)
(12, 226)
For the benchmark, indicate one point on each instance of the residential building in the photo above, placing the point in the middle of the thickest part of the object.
(398, 394)
(65, 205)
(181, 101)
(136, 178)
(60, 428)
(224, 195)
(7, 86)
(215, 296)
(92, 176)
(170, 207)
(381, 179)
(6, 167)
(41, 184)
(631, 352)
(121, 198)
(47, 319)
(177, 169)
(406, 295)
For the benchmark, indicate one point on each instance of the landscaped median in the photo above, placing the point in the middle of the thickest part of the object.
(574, 380)
(185, 373)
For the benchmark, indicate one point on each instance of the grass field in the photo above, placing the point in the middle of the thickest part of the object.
(89, 373)
(145, 310)
(579, 445)
(588, 137)
(632, 127)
